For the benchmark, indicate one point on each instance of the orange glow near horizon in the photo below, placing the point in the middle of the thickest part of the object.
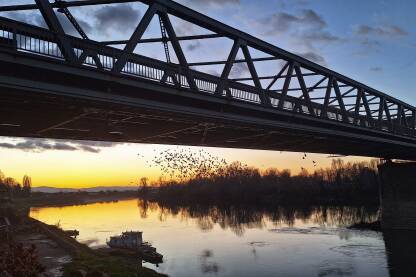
(121, 165)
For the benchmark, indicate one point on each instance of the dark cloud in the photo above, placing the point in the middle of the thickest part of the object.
(383, 31)
(305, 30)
(376, 69)
(193, 46)
(40, 145)
(282, 22)
(69, 28)
(214, 3)
(116, 17)
(370, 43)
(35, 18)
(314, 57)
(90, 149)
(321, 36)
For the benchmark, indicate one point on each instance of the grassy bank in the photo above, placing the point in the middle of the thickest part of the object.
(84, 259)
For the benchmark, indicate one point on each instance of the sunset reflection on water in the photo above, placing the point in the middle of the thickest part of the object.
(234, 241)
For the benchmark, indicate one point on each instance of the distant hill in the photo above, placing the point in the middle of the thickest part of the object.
(46, 189)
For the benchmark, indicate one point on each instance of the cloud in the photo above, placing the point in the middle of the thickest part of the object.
(376, 69)
(41, 145)
(239, 70)
(212, 3)
(38, 146)
(282, 22)
(370, 43)
(116, 18)
(381, 31)
(35, 18)
(193, 46)
(306, 31)
(321, 36)
(314, 57)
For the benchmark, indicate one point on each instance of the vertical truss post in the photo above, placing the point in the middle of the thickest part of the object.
(227, 68)
(286, 85)
(304, 90)
(178, 49)
(54, 25)
(135, 37)
(265, 100)
(324, 112)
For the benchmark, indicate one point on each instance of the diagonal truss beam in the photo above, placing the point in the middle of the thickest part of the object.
(341, 104)
(286, 85)
(178, 50)
(277, 76)
(227, 68)
(54, 25)
(265, 100)
(304, 90)
(136, 36)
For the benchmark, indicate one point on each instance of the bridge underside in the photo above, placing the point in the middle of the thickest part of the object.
(45, 100)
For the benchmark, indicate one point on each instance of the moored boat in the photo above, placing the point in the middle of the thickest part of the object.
(134, 241)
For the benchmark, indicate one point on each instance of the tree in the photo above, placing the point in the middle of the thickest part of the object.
(3, 187)
(143, 184)
(27, 185)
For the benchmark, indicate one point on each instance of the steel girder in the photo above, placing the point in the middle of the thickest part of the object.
(329, 96)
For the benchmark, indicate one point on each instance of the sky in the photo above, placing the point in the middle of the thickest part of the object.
(373, 42)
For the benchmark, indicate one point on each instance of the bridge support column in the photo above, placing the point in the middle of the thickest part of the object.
(398, 195)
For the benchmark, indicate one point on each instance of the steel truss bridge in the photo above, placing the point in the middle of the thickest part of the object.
(55, 85)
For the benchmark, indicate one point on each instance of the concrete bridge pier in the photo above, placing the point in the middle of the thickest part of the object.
(398, 195)
(398, 216)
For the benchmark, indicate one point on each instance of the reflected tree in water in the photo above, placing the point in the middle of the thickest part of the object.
(239, 218)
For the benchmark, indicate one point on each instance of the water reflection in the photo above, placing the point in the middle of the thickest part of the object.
(237, 241)
(208, 264)
(238, 219)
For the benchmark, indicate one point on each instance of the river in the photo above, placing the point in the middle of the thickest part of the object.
(236, 241)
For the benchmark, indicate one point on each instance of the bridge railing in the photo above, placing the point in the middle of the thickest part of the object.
(344, 100)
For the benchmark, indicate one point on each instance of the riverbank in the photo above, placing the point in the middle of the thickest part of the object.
(61, 255)
(42, 199)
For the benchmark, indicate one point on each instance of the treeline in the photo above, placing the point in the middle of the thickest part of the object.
(342, 183)
(11, 188)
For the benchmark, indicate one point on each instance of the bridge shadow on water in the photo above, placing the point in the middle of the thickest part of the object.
(401, 252)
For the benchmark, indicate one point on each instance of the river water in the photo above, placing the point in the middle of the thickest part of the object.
(236, 241)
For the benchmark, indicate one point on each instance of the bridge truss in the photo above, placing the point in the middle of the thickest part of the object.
(295, 86)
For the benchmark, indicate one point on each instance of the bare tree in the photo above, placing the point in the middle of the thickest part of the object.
(27, 185)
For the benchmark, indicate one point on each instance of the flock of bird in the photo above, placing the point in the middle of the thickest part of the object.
(313, 162)
(185, 163)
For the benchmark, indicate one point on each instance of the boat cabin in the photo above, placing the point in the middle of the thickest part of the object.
(130, 240)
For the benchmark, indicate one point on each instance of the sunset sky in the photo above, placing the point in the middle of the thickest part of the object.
(371, 41)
